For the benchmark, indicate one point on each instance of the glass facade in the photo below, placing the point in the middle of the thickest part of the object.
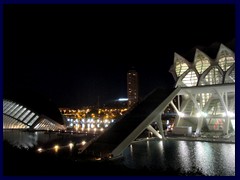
(204, 71)
(216, 108)
(190, 79)
(180, 65)
(202, 62)
(17, 116)
(214, 76)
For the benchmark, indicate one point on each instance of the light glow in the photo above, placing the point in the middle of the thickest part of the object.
(181, 114)
(71, 145)
(123, 99)
(83, 143)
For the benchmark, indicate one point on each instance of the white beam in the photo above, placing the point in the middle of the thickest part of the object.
(144, 124)
(150, 128)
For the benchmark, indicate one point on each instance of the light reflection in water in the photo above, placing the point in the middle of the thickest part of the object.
(184, 156)
(227, 156)
(204, 157)
(148, 151)
(210, 158)
(161, 149)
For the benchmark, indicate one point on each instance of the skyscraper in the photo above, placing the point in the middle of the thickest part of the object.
(132, 87)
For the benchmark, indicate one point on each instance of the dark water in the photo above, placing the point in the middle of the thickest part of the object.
(36, 139)
(211, 158)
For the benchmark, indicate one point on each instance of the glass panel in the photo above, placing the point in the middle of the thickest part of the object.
(8, 106)
(202, 63)
(16, 111)
(203, 98)
(190, 79)
(20, 113)
(33, 120)
(12, 110)
(29, 117)
(216, 108)
(214, 77)
(36, 127)
(24, 114)
(225, 60)
(181, 67)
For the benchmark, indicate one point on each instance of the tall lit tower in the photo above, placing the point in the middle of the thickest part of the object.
(132, 87)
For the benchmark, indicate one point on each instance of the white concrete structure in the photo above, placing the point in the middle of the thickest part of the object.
(19, 116)
(208, 101)
(205, 93)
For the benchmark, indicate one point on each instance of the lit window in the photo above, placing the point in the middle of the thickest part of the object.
(225, 59)
(213, 77)
(181, 68)
(202, 62)
(190, 79)
(226, 62)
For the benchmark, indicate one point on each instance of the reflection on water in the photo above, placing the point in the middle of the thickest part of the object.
(25, 139)
(184, 155)
(227, 161)
(210, 158)
(30, 139)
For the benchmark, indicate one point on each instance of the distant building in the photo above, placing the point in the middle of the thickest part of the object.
(132, 87)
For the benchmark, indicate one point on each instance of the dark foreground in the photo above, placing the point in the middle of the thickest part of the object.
(23, 162)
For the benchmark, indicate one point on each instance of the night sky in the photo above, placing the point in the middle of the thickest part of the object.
(75, 53)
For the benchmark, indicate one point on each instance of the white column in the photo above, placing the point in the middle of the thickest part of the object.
(150, 128)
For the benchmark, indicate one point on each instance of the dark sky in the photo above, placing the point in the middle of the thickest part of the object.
(75, 53)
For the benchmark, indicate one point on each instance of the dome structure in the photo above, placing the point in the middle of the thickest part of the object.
(28, 110)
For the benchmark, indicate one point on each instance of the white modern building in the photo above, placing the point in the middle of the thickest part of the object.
(207, 100)
(28, 111)
(203, 98)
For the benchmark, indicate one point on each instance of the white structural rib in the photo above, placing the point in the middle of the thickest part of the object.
(145, 124)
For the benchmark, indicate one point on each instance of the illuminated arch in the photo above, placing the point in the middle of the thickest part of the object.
(201, 61)
(181, 64)
(19, 116)
(212, 76)
(225, 57)
(190, 79)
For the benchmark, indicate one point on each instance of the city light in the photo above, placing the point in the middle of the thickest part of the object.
(230, 114)
(83, 143)
(56, 148)
(39, 150)
(203, 114)
(181, 114)
(123, 99)
(71, 145)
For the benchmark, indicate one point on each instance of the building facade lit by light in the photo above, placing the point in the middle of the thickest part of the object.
(132, 87)
(212, 109)
(32, 112)
(203, 100)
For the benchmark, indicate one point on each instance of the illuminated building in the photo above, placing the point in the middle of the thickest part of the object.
(132, 87)
(29, 111)
(204, 102)
(212, 109)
